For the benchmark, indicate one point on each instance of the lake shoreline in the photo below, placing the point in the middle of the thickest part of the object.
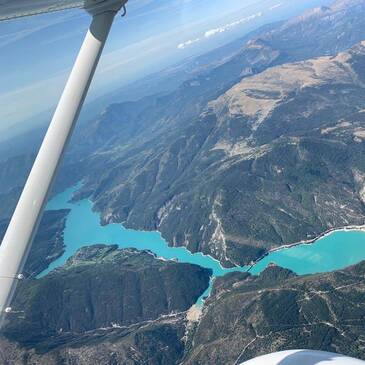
(249, 266)
(311, 241)
(92, 232)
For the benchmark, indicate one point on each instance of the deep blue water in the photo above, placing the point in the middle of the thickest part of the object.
(334, 251)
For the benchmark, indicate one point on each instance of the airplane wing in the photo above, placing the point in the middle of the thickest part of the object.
(10, 9)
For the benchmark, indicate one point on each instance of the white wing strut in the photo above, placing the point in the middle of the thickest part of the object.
(25, 220)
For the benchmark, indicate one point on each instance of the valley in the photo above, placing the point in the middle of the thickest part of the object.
(243, 158)
(217, 219)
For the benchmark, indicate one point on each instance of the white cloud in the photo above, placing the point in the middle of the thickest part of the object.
(229, 26)
(188, 43)
(275, 6)
(224, 28)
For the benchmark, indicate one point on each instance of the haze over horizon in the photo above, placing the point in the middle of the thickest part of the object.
(38, 52)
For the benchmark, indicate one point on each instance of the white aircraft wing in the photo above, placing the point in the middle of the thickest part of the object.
(10, 9)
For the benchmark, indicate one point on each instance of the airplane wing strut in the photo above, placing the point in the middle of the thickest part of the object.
(25, 220)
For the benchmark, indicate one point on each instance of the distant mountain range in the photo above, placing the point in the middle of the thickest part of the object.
(238, 159)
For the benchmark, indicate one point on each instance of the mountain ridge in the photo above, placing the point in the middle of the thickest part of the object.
(208, 152)
(273, 311)
(279, 310)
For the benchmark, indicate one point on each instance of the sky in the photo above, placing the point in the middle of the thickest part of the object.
(37, 53)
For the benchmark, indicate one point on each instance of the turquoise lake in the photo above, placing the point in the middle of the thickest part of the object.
(334, 251)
